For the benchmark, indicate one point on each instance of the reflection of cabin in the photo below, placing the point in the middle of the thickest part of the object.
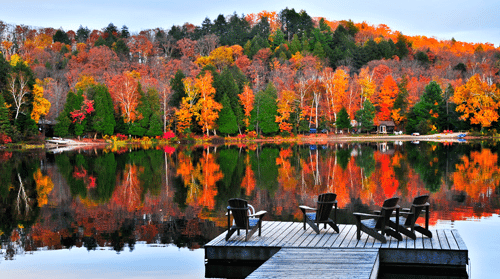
(385, 148)
(386, 127)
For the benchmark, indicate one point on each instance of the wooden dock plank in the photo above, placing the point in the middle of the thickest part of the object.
(347, 239)
(410, 243)
(319, 263)
(419, 242)
(363, 241)
(267, 235)
(341, 237)
(342, 230)
(451, 240)
(288, 232)
(329, 237)
(460, 241)
(443, 240)
(296, 232)
(435, 240)
(239, 240)
(427, 243)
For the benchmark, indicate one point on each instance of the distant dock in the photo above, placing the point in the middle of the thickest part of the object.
(289, 251)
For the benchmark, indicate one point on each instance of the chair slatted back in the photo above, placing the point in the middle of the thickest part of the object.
(239, 210)
(386, 212)
(324, 206)
(416, 209)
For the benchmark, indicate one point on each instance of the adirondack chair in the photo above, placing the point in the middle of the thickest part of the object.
(407, 222)
(377, 225)
(243, 220)
(321, 213)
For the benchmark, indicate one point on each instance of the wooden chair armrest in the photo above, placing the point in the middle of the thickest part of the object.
(258, 214)
(305, 207)
(366, 215)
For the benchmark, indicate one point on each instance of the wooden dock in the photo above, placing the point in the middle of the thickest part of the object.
(446, 249)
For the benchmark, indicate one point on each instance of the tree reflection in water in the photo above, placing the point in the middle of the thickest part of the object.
(178, 195)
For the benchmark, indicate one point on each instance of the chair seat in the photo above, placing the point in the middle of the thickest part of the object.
(402, 220)
(252, 222)
(311, 215)
(370, 223)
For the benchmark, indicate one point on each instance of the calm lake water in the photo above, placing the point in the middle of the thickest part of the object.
(146, 211)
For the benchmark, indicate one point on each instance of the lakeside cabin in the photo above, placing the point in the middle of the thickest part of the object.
(386, 127)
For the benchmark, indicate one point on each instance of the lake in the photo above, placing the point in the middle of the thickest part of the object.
(145, 211)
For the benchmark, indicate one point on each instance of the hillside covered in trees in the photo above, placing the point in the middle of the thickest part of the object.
(266, 74)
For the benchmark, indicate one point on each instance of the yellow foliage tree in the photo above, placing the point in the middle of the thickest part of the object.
(85, 82)
(41, 106)
(478, 101)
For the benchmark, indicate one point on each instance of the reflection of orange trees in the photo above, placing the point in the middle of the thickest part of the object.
(208, 173)
(128, 193)
(288, 182)
(340, 181)
(147, 233)
(185, 169)
(44, 186)
(384, 177)
(248, 181)
(44, 237)
(286, 176)
(477, 175)
(192, 228)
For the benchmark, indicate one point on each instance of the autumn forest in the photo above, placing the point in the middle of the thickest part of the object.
(265, 74)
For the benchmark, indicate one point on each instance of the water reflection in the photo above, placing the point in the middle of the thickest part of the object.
(178, 195)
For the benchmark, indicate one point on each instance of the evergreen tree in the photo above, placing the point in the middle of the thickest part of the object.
(103, 120)
(61, 36)
(226, 85)
(140, 126)
(227, 120)
(429, 112)
(295, 45)
(178, 91)
(343, 120)
(5, 127)
(265, 111)
(365, 116)
(155, 124)
(64, 126)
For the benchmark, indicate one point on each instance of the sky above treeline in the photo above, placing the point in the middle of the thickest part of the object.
(468, 21)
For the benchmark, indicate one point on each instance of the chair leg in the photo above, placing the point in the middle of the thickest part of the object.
(229, 233)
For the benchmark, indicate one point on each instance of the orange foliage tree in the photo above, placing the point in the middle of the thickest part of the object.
(336, 85)
(285, 103)
(206, 109)
(246, 100)
(386, 98)
(478, 101)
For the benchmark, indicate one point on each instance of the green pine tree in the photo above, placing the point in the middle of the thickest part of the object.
(103, 120)
(5, 126)
(365, 116)
(227, 120)
(343, 119)
(265, 111)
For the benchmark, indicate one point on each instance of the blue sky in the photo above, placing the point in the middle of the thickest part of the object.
(470, 21)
